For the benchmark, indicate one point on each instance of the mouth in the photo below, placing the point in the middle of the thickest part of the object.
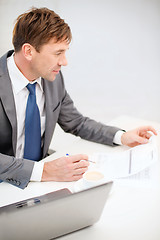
(56, 71)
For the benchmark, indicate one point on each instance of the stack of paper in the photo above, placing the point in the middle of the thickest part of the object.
(136, 166)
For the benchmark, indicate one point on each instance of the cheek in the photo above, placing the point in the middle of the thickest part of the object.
(42, 65)
(45, 64)
(48, 62)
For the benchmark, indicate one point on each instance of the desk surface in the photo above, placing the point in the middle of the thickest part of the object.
(131, 213)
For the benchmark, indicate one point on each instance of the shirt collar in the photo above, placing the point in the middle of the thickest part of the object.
(19, 81)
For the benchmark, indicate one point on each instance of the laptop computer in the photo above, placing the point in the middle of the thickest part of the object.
(53, 214)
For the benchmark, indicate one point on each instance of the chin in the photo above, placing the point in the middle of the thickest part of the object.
(50, 79)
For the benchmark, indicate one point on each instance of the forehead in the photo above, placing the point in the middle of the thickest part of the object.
(52, 45)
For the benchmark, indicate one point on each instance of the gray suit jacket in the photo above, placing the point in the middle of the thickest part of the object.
(59, 109)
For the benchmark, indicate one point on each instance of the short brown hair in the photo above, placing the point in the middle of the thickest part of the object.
(37, 27)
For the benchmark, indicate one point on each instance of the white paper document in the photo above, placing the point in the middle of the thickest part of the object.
(134, 166)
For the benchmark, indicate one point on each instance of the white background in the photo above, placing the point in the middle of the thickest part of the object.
(114, 58)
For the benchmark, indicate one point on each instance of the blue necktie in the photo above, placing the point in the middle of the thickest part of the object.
(32, 147)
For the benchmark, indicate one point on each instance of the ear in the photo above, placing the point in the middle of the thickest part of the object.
(27, 50)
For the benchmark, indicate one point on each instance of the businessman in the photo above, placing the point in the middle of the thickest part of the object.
(33, 99)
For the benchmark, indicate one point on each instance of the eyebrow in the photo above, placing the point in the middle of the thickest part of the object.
(61, 50)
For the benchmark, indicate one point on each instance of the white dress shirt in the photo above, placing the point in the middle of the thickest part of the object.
(20, 92)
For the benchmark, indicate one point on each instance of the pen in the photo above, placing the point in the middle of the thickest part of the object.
(91, 161)
(67, 155)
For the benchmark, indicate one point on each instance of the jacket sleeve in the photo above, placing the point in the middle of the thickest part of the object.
(72, 121)
(15, 171)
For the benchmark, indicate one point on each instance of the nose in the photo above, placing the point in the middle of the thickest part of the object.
(63, 61)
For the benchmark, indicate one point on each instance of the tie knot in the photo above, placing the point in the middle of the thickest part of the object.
(31, 88)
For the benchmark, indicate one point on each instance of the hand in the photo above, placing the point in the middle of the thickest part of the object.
(65, 169)
(137, 136)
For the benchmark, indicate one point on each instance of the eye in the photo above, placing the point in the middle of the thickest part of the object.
(58, 53)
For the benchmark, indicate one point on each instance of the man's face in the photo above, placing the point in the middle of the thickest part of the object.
(47, 63)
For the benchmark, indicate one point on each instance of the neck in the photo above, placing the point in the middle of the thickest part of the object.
(24, 66)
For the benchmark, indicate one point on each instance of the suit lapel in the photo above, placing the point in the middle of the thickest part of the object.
(49, 125)
(53, 98)
(7, 98)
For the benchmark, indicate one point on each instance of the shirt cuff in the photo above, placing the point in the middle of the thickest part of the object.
(37, 172)
(117, 137)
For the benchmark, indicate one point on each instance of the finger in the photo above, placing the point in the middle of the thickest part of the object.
(148, 128)
(77, 158)
(147, 135)
(80, 171)
(141, 140)
(73, 178)
(77, 177)
(81, 164)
